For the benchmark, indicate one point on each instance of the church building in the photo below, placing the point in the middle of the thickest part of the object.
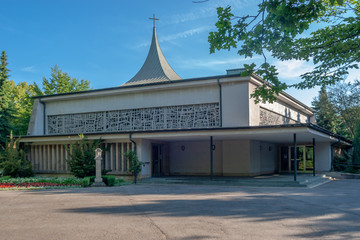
(197, 126)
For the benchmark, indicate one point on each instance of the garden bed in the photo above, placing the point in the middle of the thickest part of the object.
(7, 183)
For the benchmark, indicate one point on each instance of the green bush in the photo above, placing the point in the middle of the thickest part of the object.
(70, 181)
(109, 180)
(134, 164)
(13, 160)
(86, 182)
(82, 157)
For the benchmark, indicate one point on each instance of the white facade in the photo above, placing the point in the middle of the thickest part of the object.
(169, 121)
(224, 102)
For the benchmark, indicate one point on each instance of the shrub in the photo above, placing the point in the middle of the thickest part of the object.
(86, 182)
(134, 164)
(109, 180)
(342, 162)
(70, 181)
(13, 160)
(82, 157)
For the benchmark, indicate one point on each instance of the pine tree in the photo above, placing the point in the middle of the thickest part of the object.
(325, 113)
(5, 110)
(13, 160)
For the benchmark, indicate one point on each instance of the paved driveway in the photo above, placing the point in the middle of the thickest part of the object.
(330, 211)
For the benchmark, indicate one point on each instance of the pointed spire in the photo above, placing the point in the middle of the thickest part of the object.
(155, 68)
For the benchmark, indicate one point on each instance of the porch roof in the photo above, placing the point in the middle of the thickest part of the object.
(281, 134)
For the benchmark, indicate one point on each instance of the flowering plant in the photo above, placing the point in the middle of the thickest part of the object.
(38, 182)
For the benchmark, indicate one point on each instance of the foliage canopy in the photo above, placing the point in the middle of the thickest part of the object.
(345, 98)
(338, 109)
(61, 82)
(16, 100)
(278, 28)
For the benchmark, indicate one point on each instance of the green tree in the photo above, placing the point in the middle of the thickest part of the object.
(356, 144)
(5, 103)
(82, 157)
(61, 82)
(326, 115)
(21, 95)
(21, 102)
(278, 28)
(13, 160)
(345, 98)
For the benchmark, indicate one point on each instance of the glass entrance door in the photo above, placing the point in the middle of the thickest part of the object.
(157, 159)
(304, 158)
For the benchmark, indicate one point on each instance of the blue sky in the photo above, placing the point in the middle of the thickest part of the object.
(106, 42)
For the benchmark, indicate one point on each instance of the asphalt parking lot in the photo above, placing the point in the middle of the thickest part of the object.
(183, 212)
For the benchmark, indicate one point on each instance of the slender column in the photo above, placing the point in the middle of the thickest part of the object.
(122, 158)
(57, 157)
(47, 158)
(41, 165)
(112, 156)
(53, 157)
(106, 160)
(314, 157)
(117, 159)
(62, 160)
(36, 158)
(211, 157)
(295, 158)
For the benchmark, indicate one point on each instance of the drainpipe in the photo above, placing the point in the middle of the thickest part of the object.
(220, 100)
(44, 116)
(131, 140)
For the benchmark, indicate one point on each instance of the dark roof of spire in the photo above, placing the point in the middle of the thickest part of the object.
(155, 68)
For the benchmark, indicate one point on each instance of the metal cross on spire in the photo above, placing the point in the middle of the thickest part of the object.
(154, 19)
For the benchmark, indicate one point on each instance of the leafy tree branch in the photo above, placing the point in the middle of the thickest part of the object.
(278, 28)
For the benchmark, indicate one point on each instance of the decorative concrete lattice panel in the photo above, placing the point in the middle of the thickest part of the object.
(271, 118)
(172, 117)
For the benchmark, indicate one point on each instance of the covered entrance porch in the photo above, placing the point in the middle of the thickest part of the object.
(249, 151)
